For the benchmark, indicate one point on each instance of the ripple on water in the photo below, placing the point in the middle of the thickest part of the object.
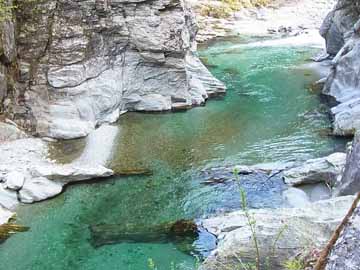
(268, 115)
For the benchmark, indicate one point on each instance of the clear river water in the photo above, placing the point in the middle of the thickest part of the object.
(269, 114)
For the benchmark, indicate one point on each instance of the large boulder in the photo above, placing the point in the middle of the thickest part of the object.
(319, 170)
(350, 181)
(39, 189)
(338, 25)
(29, 176)
(295, 229)
(341, 29)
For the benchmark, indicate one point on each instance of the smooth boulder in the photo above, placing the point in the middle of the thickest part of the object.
(319, 170)
(39, 189)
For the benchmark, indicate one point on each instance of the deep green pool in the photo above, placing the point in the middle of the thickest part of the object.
(269, 114)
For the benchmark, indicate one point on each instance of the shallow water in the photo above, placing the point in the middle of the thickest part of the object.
(268, 115)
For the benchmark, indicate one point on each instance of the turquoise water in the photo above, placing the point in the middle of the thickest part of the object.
(269, 114)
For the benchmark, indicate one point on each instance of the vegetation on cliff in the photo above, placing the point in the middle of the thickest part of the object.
(224, 8)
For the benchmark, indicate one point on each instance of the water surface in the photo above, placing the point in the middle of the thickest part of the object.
(269, 114)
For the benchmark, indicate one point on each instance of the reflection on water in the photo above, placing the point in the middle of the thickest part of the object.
(267, 115)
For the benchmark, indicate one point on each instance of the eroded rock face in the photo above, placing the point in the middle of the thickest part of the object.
(350, 182)
(341, 30)
(345, 254)
(7, 55)
(81, 62)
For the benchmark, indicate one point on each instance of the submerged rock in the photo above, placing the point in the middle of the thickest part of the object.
(8, 229)
(133, 172)
(104, 234)
(295, 228)
(319, 170)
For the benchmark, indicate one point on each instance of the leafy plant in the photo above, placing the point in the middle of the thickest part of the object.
(294, 264)
(6, 10)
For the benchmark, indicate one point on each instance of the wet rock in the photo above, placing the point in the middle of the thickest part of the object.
(350, 181)
(299, 227)
(325, 170)
(39, 189)
(273, 166)
(70, 173)
(104, 234)
(14, 180)
(218, 191)
(133, 172)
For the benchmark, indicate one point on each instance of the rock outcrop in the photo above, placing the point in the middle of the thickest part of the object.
(341, 30)
(345, 252)
(26, 175)
(320, 170)
(80, 63)
(301, 228)
(350, 181)
(5, 215)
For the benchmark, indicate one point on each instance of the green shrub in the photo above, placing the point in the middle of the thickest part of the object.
(294, 264)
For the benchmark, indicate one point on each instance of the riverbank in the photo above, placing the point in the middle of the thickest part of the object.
(28, 175)
(280, 18)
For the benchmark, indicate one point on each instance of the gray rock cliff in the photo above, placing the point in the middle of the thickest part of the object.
(80, 63)
(341, 30)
